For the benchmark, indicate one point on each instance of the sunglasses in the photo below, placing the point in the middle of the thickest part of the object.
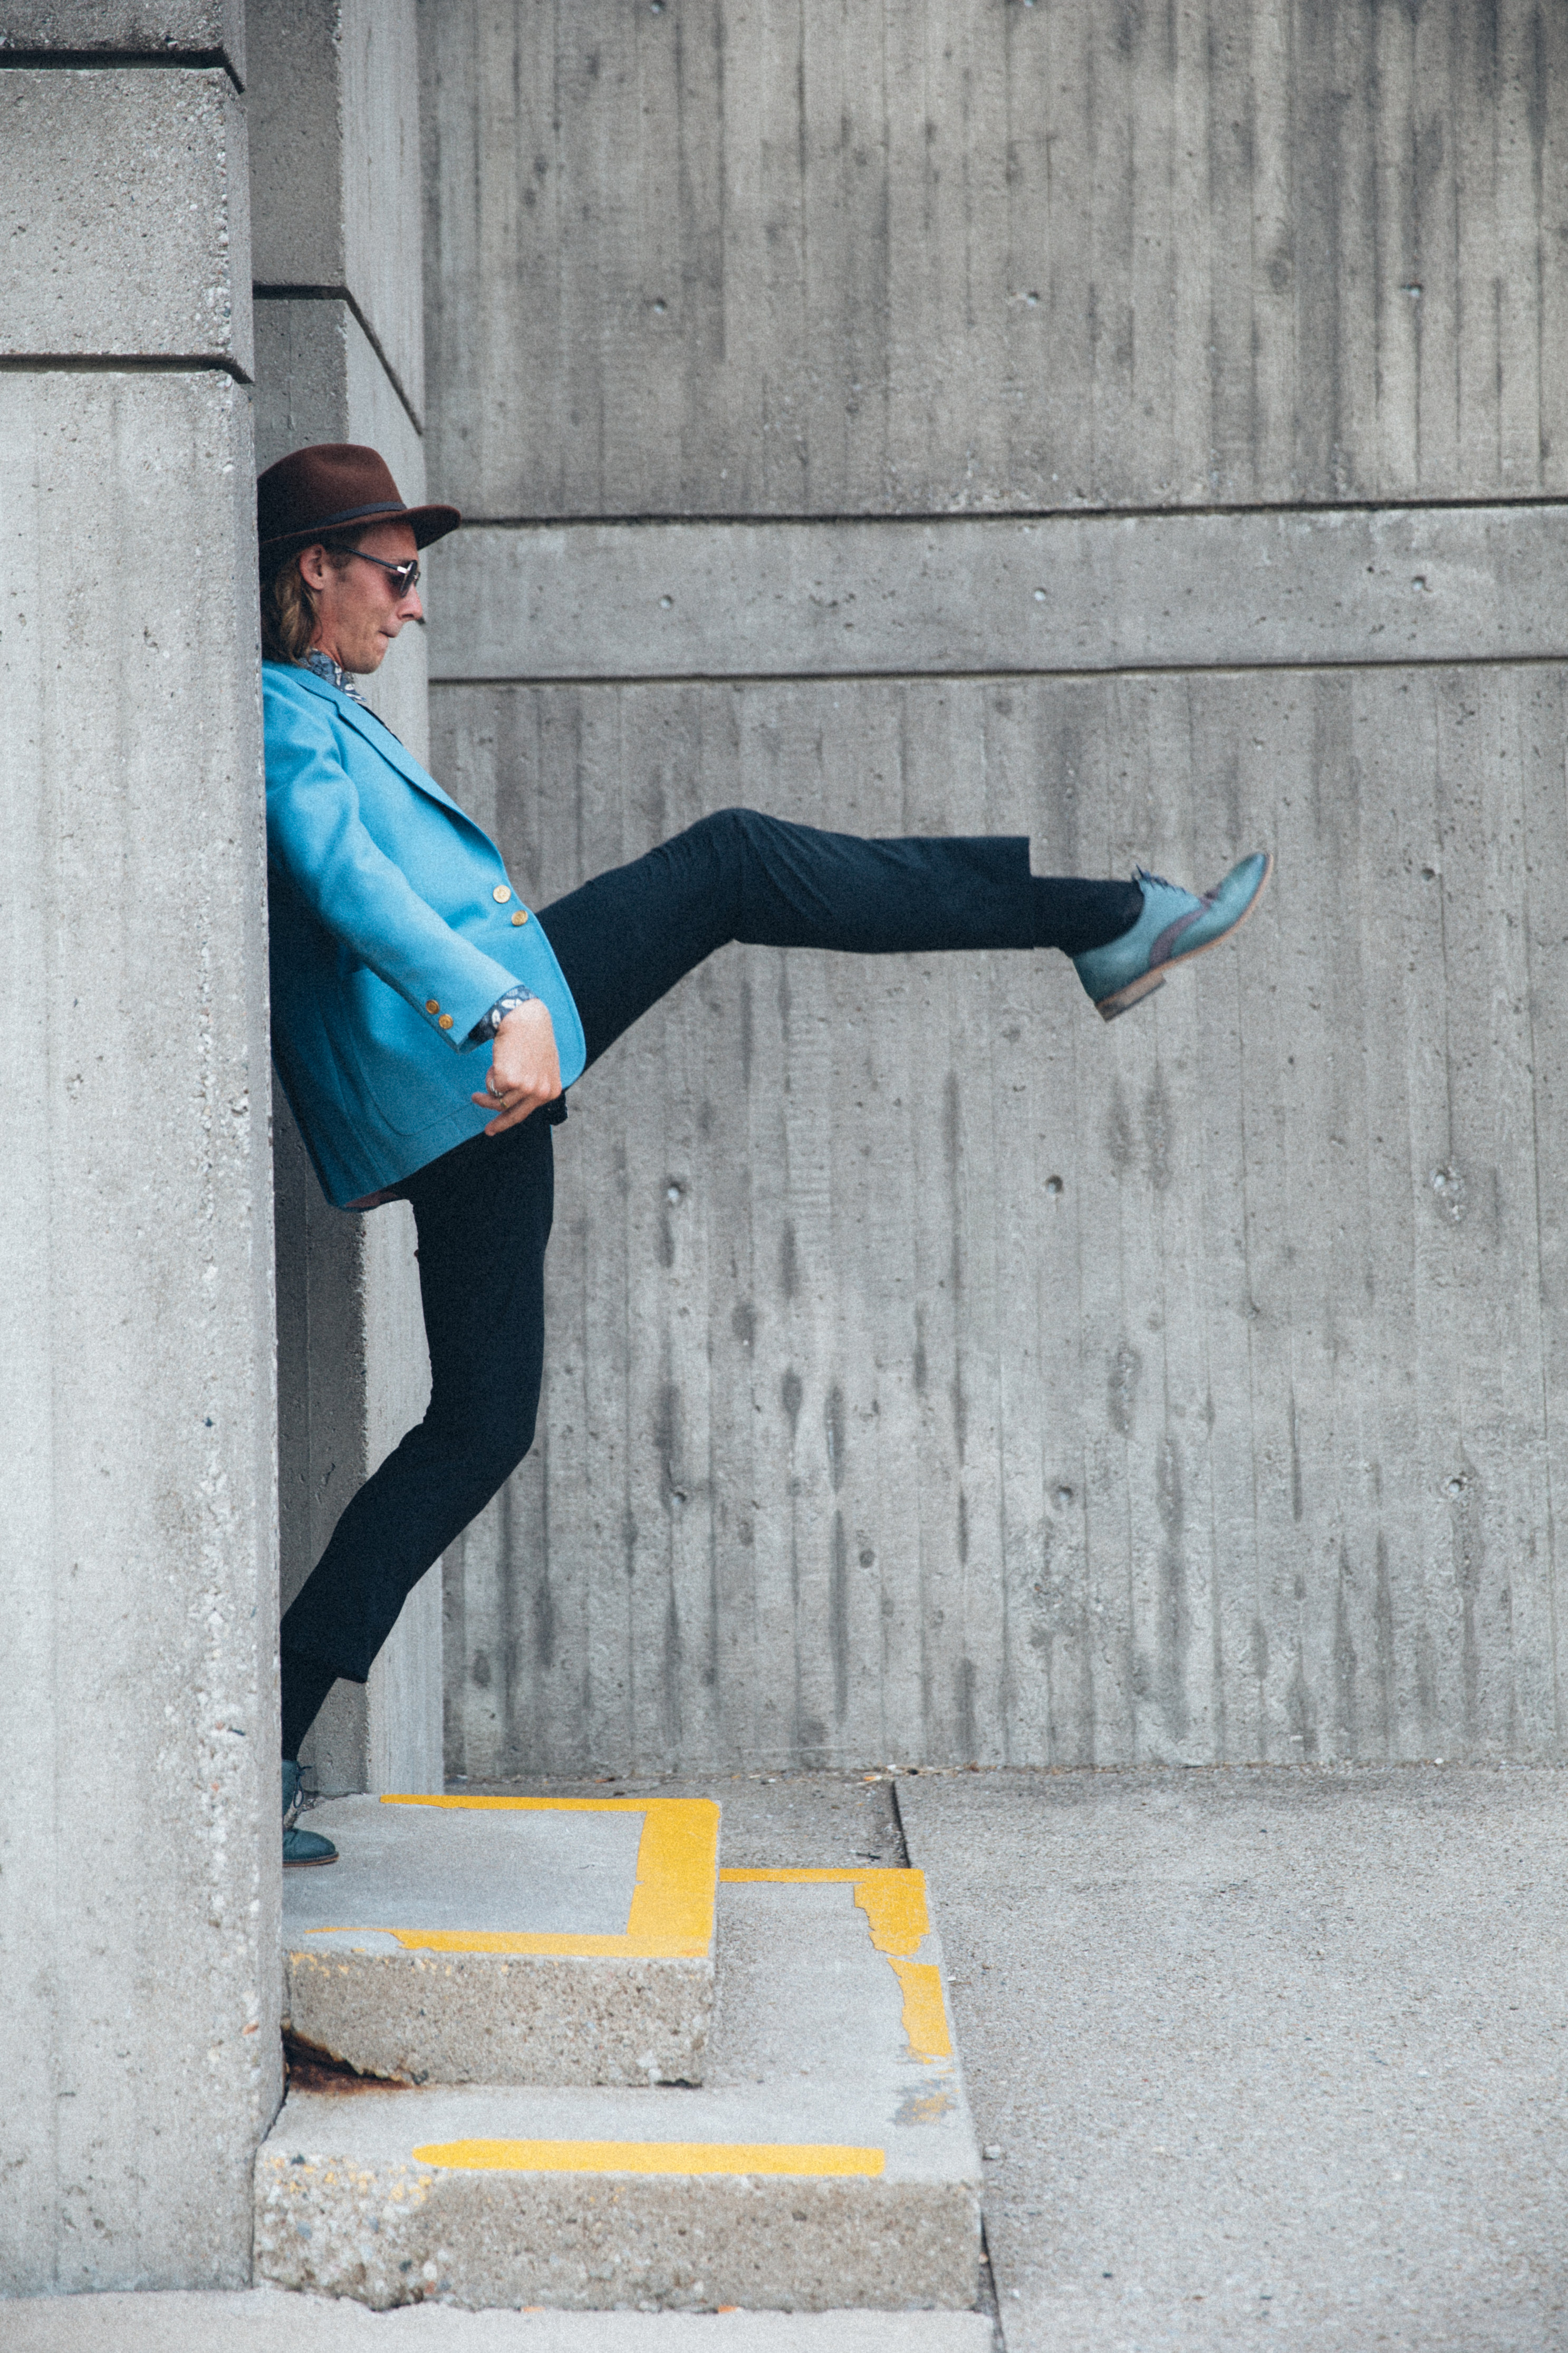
(405, 574)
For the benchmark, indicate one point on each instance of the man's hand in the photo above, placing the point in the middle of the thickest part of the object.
(525, 1069)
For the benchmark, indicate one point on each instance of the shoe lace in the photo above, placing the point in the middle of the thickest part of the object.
(1144, 875)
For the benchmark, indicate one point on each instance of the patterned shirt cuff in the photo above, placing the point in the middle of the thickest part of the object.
(488, 1023)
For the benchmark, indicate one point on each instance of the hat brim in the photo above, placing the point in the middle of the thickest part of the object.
(429, 523)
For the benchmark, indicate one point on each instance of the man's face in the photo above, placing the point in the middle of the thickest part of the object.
(358, 609)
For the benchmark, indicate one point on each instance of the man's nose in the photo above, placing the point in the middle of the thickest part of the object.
(411, 609)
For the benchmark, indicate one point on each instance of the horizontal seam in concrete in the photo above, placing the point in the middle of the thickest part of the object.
(342, 294)
(117, 61)
(119, 363)
(907, 677)
(992, 515)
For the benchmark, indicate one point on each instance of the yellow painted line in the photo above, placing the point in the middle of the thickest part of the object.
(894, 1903)
(925, 2012)
(677, 1868)
(651, 2156)
(671, 1913)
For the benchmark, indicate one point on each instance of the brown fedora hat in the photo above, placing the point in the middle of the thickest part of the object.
(333, 486)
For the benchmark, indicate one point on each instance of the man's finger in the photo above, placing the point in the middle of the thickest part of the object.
(512, 1116)
(537, 1086)
(516, 1104)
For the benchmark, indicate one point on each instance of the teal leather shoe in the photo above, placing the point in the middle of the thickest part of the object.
(300, 1848)
(1173, 927)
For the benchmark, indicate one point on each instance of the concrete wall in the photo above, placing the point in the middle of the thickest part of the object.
(139, 1869)
(1136, 427)
(340, 357)
(780, 260)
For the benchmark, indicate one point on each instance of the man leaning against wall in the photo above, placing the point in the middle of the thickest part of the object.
(404, 967)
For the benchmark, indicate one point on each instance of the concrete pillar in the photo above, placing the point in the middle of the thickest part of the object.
(138, 1858)
(334, 149)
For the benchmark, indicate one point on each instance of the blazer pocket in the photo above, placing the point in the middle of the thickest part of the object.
(414, 1081)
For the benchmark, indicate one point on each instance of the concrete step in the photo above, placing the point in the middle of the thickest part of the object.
(507, 1940)
(268, 2320)
(828, 2163)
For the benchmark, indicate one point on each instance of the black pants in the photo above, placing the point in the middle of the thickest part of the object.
(483, 1212)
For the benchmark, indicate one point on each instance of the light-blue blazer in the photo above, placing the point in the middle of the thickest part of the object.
(394, 929)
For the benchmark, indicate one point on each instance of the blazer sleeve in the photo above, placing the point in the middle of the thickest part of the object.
(316, 837)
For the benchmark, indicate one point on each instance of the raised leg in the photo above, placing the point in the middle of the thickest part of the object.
(627, 937)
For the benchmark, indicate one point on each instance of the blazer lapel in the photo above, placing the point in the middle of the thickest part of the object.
(379, 738)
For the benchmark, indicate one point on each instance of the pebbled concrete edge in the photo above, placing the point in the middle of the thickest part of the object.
(388, 2233)
(489, 2017)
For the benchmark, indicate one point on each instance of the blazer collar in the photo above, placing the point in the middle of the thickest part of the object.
(358, 716)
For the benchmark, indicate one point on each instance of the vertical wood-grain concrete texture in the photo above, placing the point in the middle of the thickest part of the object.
(778, 257)
(339, 344)
(934, 1372)
(139, 1860)
(334, 124)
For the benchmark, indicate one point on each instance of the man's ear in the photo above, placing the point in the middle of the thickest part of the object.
(314, 566)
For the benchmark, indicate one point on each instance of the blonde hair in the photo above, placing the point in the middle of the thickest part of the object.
(288, 613)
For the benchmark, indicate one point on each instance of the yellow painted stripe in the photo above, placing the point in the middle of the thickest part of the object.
(651, 2156)
(810, 1875)
(925, 2012)
(894, 1902)
(672, 1913)
(678, 1867)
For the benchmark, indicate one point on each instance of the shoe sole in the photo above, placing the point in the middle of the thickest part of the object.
(308, 1862)
(1110, 1009)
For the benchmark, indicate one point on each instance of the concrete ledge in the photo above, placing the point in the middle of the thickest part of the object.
(180, 27)
(387, 2230)
(124, 215)
(1062, 594)
(480, 2017)
(270, 2320)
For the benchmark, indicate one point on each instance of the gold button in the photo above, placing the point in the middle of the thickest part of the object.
(445, 1022)
(501, 891)
(520, 916)
(432, 1005)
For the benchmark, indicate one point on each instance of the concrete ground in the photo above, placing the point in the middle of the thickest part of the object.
(1269, 2057)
